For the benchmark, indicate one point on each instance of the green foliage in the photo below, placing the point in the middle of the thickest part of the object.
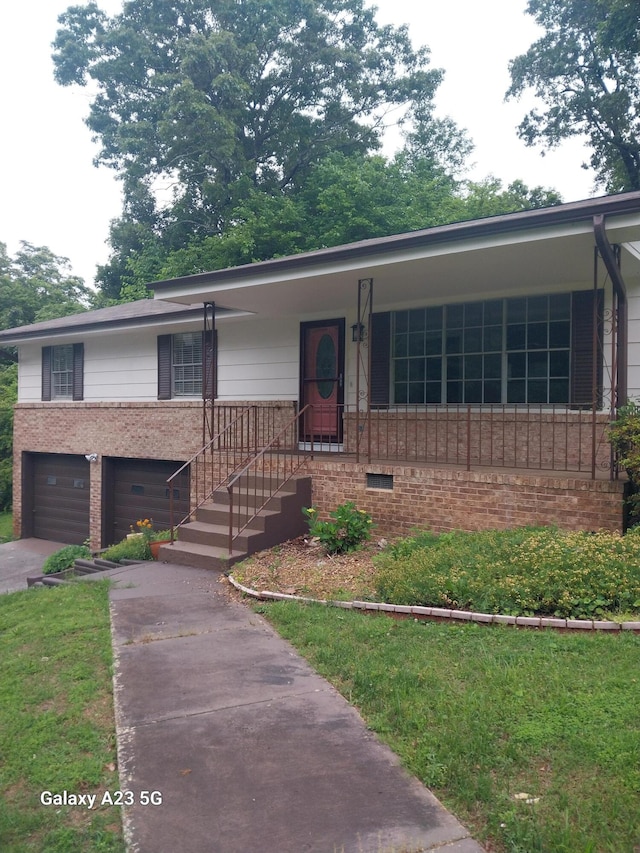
(36, 285)
(585, 69)
(215, 100)
(133, 548)
(484, 714)
(624, 435)
(348, 530)
(8, 398)
(6, 526)
(519, 572)
(64, 559)
(56, 719)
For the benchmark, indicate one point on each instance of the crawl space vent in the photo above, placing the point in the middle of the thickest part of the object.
(380, 481)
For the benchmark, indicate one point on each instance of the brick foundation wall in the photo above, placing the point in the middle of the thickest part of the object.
(446, 499)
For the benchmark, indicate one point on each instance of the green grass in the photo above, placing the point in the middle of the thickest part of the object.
(6, 526)
(482, 715)
(57, 727)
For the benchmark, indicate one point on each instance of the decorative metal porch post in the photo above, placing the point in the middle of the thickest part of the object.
(209, 368)
(363, 365)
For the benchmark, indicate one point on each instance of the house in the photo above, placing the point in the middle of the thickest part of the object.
(457, 377)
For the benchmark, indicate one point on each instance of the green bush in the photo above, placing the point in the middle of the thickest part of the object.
(64, 559)
(349, 529)
(624, 435)
(135, 548)
(524, 571)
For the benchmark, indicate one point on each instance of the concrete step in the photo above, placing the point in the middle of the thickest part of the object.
(203, 542)
(200, 556)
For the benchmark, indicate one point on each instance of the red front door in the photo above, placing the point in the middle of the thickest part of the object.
(322, 373)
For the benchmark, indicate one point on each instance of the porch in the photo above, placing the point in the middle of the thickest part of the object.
(447, 467)
(515, 437)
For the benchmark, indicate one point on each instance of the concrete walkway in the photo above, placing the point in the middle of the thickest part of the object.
(228, 742)
(249, 750)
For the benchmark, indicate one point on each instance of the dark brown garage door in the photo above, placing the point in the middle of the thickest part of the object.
(56, 500)
(137, 488)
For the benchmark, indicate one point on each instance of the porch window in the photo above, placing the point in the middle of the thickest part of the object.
(516, 350)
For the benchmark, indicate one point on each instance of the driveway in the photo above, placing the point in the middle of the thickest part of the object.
(21, 559)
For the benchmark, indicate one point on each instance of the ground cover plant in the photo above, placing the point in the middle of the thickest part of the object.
(530, 738)
(524, 571)
(57, 728)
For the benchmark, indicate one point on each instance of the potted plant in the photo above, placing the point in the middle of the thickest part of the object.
(153, 538)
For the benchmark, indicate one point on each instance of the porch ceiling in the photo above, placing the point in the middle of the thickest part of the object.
(405, 272)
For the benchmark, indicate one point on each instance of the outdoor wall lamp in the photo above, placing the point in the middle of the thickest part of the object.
(91, 457)
(358, 332)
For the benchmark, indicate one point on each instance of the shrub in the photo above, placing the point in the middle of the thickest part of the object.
(64, 559)
(135, 548)
(524, 571)
(348, 530)
(624, 435)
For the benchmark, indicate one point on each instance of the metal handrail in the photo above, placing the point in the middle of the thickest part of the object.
(201, 454)
(263, 461)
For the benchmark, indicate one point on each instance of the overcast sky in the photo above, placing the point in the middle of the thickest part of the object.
(52, 195)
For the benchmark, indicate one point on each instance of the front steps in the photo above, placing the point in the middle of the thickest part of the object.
(203, 542)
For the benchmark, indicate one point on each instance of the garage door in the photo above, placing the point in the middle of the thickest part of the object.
(137, 488)
(59, 498)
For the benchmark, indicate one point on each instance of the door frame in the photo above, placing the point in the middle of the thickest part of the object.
(339, 322)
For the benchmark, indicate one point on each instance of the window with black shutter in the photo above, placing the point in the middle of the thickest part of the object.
(520, 350)
(181, 359)
(63, 372)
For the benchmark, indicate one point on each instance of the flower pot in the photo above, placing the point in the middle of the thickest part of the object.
(155, 546)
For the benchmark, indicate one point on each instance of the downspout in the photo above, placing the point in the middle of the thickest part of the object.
(620, 290)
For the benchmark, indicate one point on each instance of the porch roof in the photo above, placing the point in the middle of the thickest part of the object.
(548, 248)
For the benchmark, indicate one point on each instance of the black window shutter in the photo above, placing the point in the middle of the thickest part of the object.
(380, 344)
(210, 366)
(78, 372)
(164, 367)
(582, 303)
(46, 373)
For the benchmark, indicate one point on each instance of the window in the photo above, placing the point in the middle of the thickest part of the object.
(535, 349)
(63, 372)
(186, 365)
(180, 360)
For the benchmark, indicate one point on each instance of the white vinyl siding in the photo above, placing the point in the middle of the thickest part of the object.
(257, 360)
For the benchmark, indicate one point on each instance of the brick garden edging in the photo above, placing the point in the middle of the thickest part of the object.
(439, 614)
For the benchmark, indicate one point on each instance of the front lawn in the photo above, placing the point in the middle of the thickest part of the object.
(531, 738)
(57, 729)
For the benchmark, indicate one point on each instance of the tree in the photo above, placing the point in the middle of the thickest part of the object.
(586, 70)
(37, 285)
(215, 100)
(488, 198)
